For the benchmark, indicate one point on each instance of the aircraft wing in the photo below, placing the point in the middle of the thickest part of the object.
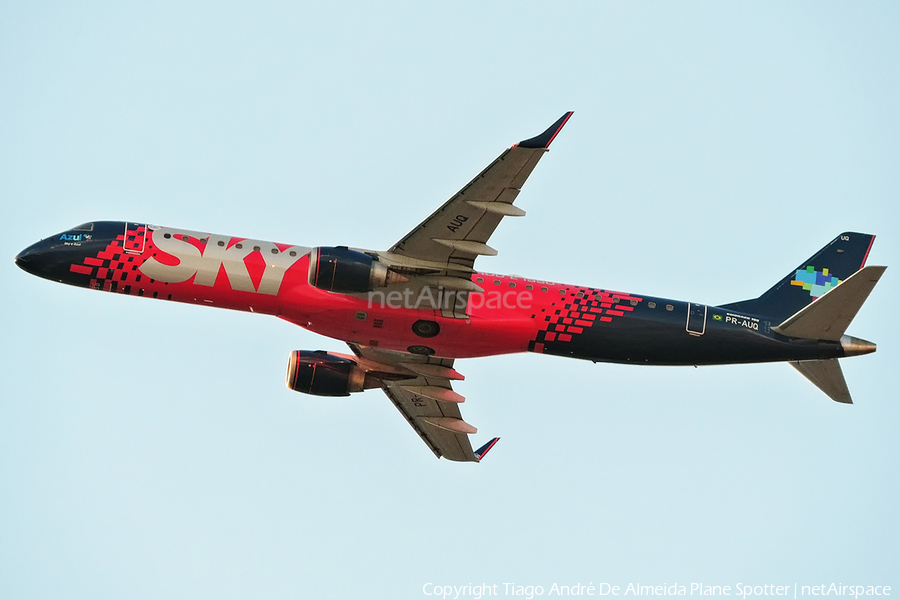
(428, 402)
(458, 232)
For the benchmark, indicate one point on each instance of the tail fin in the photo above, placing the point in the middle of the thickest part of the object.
(823, 271)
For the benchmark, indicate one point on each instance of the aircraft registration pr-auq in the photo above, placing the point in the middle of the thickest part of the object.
(407, 313)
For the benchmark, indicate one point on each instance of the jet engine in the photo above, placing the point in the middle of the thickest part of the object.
(339, 269)
(324, 374)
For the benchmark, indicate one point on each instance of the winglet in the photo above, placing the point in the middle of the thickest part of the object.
(543, 140)
(479, 454)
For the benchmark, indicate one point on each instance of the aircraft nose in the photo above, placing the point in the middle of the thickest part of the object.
(30, 259)
(21, 258)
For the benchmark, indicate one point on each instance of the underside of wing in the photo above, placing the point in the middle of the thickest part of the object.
(443, 248)
(426, 399)
(458, 232)
(438, 423)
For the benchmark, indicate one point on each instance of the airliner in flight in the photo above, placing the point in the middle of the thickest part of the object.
(407, 313)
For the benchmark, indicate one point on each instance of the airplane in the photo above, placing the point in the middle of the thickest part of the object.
(407, 313)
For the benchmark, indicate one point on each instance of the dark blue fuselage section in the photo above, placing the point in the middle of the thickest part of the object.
(659, 331)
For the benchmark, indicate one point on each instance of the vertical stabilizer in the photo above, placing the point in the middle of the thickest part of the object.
(821, 272)
(827, 376)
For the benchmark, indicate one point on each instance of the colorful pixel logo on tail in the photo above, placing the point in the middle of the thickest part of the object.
(815, 282)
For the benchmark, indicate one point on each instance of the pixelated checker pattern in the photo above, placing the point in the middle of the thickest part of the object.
(578, 311)
(115, 270)
(815, 282)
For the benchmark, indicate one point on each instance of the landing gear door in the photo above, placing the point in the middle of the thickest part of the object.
(135, 238)
(696, 319)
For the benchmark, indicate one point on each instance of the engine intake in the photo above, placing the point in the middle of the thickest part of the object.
(324, 374)
(339, 269)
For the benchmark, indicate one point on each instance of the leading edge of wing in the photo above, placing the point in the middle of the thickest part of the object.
(457, 233)
(545, 139)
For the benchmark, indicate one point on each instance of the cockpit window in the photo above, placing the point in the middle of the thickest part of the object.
(84, 227)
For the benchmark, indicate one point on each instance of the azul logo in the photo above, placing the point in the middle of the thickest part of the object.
(815, 282)
(218, 253)
(70, 237)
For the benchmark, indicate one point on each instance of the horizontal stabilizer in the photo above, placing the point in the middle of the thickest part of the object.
(828, 317)
(827, 376)
(479, 454)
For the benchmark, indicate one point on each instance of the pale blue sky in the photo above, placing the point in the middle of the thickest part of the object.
(151, 450)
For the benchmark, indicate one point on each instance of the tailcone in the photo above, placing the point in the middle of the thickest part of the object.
(855, 346)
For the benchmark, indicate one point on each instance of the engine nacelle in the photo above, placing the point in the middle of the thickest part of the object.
(339, 269)
(324, 374)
